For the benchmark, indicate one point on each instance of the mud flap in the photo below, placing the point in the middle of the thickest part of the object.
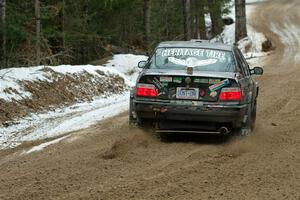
(245, 132)
(247, 126)
(133, 119)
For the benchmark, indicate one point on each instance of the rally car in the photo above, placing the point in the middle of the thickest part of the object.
(196, 87)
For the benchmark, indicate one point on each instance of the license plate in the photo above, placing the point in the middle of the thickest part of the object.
(187, 93)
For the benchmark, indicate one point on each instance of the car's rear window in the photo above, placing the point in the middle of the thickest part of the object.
(198, 58)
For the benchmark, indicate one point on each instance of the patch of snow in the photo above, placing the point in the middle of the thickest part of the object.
(127, 65)
(254, 40)
(228, 34)
(208, 22)
(44, 145)
(61, 121)
(9, 79)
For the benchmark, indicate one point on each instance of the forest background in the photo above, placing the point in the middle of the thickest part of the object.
(53, 32)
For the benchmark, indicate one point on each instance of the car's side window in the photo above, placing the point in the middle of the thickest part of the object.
(151, 61)
(245, 64)
(239, 63)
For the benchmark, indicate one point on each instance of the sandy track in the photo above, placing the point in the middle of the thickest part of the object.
(112, 161)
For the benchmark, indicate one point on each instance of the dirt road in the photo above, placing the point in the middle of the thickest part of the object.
(112, 161)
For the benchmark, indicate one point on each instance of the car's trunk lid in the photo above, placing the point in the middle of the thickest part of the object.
(179, 86)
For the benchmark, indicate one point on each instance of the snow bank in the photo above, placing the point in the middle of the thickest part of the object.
(11, 89)
(59, 121)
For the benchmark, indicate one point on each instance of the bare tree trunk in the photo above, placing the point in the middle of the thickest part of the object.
(240, 20)
(38, 31)
(147, 25)
(187, 19)
(3, 57)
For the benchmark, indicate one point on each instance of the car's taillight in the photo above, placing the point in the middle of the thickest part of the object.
(230, 94)
(146, 90)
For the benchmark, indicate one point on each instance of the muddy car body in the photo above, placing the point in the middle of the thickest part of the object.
(195, 86)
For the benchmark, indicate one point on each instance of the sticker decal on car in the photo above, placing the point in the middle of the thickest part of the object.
(165, 84)
(165, 79)
(177, 79)
(201, 80)
(213, 94)
(192, 61)
(214, 81)
(218, 86)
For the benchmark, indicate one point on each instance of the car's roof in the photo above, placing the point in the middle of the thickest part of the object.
(196, 44)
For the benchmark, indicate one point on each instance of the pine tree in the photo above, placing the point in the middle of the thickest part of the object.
(215, 10)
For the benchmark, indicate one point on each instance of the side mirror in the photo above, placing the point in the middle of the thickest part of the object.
(257, 71)
(142, 64)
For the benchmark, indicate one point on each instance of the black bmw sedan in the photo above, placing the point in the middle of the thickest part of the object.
(196, 87)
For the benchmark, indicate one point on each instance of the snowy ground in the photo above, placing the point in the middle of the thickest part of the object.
(60, 121)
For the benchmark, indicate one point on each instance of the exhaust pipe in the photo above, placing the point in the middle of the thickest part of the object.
(223, 130)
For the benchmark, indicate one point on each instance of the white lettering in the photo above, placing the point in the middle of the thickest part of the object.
(208, 53)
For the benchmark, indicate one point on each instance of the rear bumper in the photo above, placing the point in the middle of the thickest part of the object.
(190, 111)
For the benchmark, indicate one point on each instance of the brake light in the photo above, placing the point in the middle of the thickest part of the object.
(230, 94)
(146, 90)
